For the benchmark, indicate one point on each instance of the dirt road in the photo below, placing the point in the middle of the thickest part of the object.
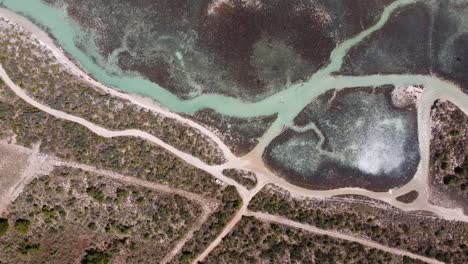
(284, 221)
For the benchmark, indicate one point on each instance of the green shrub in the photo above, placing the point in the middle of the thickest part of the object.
(237, 204)
(94, 256)
(26, 248)
(47, 211)
(450, 180)
(97, 194)
(187, 256)
(122, 194)
(140, 200)
(3, 226)
(22, 226)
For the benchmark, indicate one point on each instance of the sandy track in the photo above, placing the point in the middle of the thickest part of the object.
(36, 165)
(264, 176)
(223, 233)
(62, 58)
(256, 165)
(202, 219)
(284, 221)
(208, 205)
(214, 170)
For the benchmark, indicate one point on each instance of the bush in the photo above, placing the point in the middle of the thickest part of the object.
(187, 256)
(26, 248)
(450, 180)
(3, 226)
(22, 226)
(96, 257)
(122, 194)
(97, 194)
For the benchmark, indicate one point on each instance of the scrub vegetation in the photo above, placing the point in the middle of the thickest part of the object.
(58, 219)
(126, 155)
(231, 203)
(408, 197)
(129, 156)
(36, 70)
(449, 156)
(253, 241)
(417, 232)
(243, 177)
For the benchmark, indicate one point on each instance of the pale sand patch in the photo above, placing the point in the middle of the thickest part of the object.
(18, 166)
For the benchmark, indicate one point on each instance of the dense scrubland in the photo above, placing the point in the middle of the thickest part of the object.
(74, 216)
(127, 155)
(417, 232)
(253, 241)
(211, 228)
(130, 156)
(449, 155)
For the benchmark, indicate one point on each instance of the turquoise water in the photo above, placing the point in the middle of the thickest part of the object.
(287, 103)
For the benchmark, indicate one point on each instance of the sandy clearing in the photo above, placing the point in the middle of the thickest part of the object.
(32, 162)
(22, 166)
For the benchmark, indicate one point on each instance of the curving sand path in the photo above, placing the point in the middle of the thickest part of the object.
(223, 233)
(123, 133)
(206, 203)
(62, 58)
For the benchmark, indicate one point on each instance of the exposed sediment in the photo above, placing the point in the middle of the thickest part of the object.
(362, 140)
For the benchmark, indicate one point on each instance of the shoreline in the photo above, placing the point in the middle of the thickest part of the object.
(74, 67)
(454, 96)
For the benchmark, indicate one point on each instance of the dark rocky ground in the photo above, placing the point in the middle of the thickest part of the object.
(239, 134)
(401, 46)
(245, 49)
(449, 41)
(408, 197)
(370, 143)
(427, 37)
